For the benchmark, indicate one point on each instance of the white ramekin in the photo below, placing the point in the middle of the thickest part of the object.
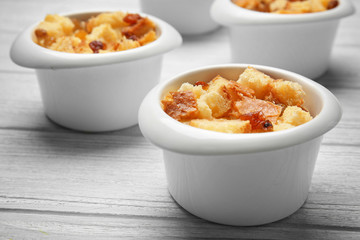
(189, 17)
(239, 179)
(95, 92)
(297, 42)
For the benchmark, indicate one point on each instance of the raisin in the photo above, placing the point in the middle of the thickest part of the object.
(40, 33)
(132, 37)
(132, 18)
(96, 46)
(267, 124)
(332, 4)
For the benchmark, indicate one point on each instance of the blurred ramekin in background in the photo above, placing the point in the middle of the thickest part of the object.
(301, 43)
(189, 17)
(95, 92)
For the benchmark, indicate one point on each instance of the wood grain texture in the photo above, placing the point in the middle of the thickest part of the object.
(60, 184)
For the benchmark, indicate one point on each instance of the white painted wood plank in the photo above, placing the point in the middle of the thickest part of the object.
(60, 184)
(59, 226)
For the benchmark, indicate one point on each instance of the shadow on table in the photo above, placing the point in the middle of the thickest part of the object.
(296, 226)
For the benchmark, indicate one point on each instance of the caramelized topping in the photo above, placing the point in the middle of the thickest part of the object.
(204, 85)
(138, 29)
(182, 107)
(250, 105)
(239, 90)
(258, 121)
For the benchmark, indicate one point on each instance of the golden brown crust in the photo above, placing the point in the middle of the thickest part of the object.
(252, 105)
(182, 106)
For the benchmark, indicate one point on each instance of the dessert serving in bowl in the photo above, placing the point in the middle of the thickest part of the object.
(189, 17)
(240, 166)
(293, 35)
(95, 67)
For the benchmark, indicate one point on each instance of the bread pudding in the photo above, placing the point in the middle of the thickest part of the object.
(254, 103)
(287, 6)
(106, 32)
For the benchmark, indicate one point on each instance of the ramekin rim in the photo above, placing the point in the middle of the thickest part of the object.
(228, 14)
(42, 58)
(167, 133)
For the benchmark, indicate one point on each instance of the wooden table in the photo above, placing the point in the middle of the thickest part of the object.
(60, 184)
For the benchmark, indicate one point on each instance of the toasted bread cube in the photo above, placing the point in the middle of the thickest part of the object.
(148, 38)
(56, 26)
(278, 5)
(103, 32)
(217, 103)
(249, 4)
(287, 92)
(217, 84)
(295, 116)
(204, 110)
(66, 44)
(287, 7)
(257, 81)
(298, 7)
(197, 90)
(222, 125)
(115, 19)
(318, 5)
(181, 105)
(125, 44)
(282, 126)
(235, 91)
